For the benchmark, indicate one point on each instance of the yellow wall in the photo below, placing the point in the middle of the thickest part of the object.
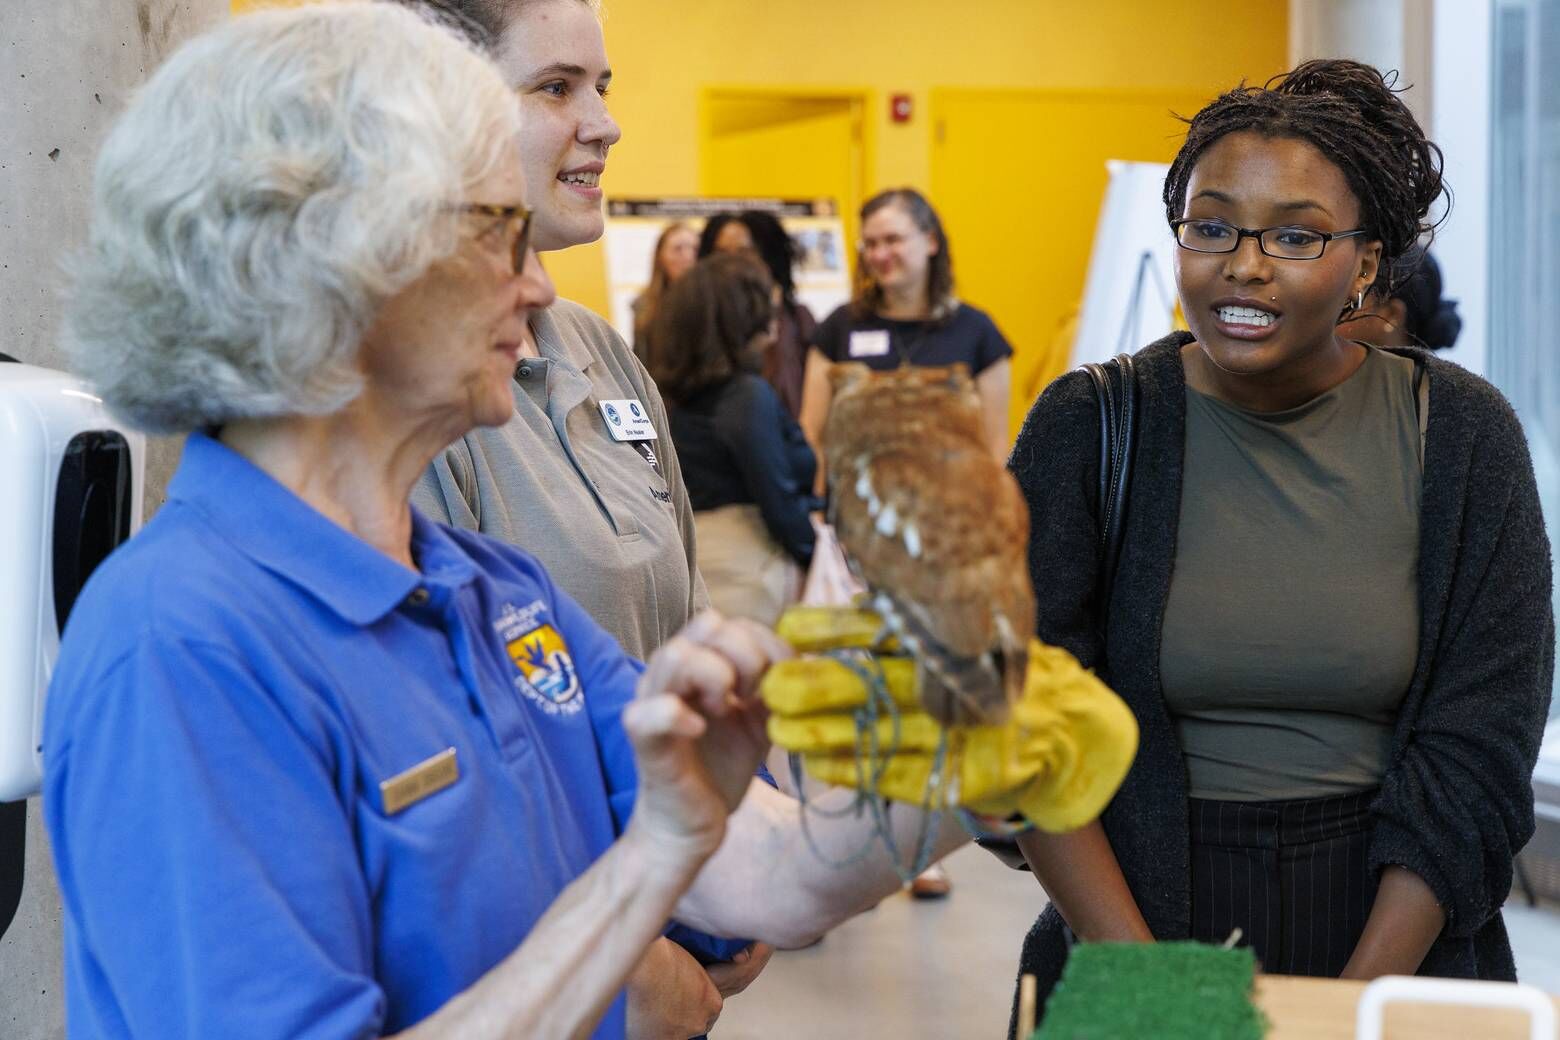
(907, 46)
(1028, 263)
(666, 52)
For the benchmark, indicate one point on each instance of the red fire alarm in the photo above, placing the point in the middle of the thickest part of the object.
(900, 108)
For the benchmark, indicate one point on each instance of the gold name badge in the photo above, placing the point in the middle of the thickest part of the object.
(415, 784)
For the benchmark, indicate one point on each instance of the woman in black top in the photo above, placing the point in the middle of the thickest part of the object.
(904, 312)
(748, 468)
(1290, 203)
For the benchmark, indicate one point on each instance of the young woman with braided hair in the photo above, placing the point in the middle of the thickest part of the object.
(1332, 609)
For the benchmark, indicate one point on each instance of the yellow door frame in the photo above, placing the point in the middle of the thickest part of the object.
(862, 100)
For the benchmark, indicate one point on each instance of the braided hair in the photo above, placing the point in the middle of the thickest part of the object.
(1351, 113)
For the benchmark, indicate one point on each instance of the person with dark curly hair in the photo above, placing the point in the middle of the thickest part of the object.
(762, 234)
(1331, 611)
(724, 233)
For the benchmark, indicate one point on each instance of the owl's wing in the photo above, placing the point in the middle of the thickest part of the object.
(937, 530)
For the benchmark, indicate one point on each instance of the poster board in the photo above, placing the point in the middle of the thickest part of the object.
(633, 225)
(1129, 298)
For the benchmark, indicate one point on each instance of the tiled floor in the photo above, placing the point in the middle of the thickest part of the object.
(944, 970)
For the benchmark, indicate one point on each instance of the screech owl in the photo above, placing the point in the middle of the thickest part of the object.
(937, 530)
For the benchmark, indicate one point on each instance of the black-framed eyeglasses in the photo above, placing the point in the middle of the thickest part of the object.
(506, 214)
(1203, 235)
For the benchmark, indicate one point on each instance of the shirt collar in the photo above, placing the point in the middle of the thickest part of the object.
(552, 343)
(285, 535)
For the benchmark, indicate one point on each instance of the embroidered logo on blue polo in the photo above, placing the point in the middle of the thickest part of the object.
(547, 676)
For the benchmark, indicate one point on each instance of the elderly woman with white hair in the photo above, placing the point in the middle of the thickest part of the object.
(316, 766)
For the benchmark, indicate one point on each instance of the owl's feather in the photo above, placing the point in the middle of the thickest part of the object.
(936, 528)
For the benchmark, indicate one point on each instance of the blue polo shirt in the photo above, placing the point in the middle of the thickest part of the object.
(235, 685)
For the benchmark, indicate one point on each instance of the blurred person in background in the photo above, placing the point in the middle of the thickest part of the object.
(762, 234)
(726, 233)
(676, 250)
(748, 468)
(1414, 315)
(904, 312)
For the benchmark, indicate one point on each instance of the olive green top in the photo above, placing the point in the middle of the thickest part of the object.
(1292, 623)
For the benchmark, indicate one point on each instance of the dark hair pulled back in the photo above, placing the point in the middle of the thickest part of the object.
(1352, 114)
(703, 331)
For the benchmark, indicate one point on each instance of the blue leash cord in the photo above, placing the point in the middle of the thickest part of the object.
(872, 760)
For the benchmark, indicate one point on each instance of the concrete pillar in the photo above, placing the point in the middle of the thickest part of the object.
(66, 69)
(1389, 34)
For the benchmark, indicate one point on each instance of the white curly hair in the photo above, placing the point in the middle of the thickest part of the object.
(263, 195)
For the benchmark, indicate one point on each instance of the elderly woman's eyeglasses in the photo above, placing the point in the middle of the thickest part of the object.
(508, 214)
(1281, 243)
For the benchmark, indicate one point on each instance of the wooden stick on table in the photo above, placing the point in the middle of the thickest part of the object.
(1026, 1007)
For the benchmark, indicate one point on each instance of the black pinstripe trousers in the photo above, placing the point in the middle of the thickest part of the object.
(1292, 876)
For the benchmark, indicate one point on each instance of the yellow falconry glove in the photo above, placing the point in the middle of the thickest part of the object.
(1058, 760)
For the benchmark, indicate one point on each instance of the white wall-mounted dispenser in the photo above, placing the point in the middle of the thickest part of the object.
(71, 485)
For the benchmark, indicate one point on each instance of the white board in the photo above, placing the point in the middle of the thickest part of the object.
(1133, 256)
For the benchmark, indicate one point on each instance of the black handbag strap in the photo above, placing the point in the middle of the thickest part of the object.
(1115, 386)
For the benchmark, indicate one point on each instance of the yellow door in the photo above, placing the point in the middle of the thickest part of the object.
(1018, 177)
(777, 144)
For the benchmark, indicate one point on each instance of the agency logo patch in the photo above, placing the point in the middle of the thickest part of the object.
(546, 673)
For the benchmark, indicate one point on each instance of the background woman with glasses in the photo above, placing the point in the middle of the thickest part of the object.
(1332, 611)
(904, 312)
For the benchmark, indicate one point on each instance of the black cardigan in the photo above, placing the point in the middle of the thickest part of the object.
(738, 445)
(1456, 803)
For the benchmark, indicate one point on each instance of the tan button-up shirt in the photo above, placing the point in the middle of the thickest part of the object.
(610, 520)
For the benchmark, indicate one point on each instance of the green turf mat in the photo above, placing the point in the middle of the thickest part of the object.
(1167, 991)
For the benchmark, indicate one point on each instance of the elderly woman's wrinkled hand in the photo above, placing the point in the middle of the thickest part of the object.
(698, 729)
